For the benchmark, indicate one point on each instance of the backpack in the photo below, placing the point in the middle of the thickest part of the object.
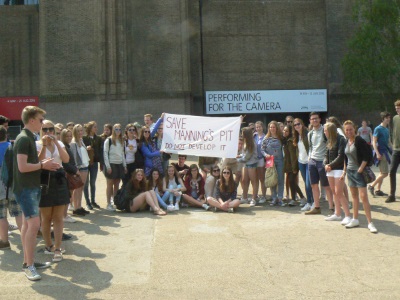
(6, 174)
(119, 199)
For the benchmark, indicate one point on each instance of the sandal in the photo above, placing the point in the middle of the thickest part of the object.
(159, 212)
(57, 255)
(49, 250)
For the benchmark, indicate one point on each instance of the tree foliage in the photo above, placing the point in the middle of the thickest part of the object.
(371, 68)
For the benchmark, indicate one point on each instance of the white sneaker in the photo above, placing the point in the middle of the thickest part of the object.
(71, 207)
(333, 218)
(252, 202)
(170, 207)
(262, 200)
(110, 207)
(205, 206)
(303, 202)
(292, 203)
(286, 197)
(69, 219)
(231, 210)
(346, 221)
(306, 207)
(176, 207)
(372, 228)
(12, 227)
(352, 223)
(9, 233)
(312, 206)
(112, 201)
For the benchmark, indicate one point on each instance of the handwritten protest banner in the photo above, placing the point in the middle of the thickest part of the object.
(201, 136)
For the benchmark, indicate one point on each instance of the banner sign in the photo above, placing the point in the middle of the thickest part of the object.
(11, 107)
(201, 136)
(254, 102)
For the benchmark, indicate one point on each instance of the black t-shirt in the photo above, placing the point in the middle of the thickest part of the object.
(178, 168)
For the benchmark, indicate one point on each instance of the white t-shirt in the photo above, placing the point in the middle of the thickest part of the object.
(303, 156)
(130, 150)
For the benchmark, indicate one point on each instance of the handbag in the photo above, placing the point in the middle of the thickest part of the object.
(74, 181)
(368, 175)
(269, 161)
(271, 176)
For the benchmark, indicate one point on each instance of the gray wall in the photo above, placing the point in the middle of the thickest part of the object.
(113, 61)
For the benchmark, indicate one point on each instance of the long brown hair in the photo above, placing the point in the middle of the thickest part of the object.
(136, 185)
(248, 139)
(278, 130)
(296, 135)
(227, 186)
(142, 138)
(150, 181)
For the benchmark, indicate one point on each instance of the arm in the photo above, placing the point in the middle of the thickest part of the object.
(338, 161)
(264, 147)
(147, 153)
(107, 145)
(25, 167)
(61, 151)
(375, 145)
(183, 187)
(155, 128)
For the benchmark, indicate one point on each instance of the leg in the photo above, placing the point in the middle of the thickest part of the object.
(46, 216)
(58, 224)
(214, 203)
(191, 201)
(245, 182)
(261, 179)
(109, 190)
(364, 198)
(281, 177)
(138, 202)
(337, 190)
(78, 192)
(393, 169)
(93, 176)
(287, 185)
(356, 200)
(115, 186)
(254, 181)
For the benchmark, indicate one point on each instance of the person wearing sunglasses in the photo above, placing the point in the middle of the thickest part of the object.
(194, 184)
(226, 193)
(114, 160)
(210, 187)
(93, 146)
(152, 156)
(55, 195)
(300, 141)
(81, 158)
(131, 147)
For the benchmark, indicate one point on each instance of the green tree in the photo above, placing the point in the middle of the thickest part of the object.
(371, 68)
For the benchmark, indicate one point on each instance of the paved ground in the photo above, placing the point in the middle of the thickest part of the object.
(258, 253)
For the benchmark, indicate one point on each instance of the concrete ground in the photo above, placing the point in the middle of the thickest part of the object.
(257, 253)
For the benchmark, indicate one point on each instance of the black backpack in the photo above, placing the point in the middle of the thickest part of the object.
(119, 199)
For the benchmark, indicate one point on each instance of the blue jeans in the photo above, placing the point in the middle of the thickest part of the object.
(92, 176)
(306, 177)
(277, 191)
(161, 200)
(28, 200)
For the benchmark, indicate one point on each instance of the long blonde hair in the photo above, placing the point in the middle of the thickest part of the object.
(75, 135)
(332, 134)
(114, 137)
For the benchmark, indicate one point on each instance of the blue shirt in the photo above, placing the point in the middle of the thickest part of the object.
(382, 134)
(3, 148)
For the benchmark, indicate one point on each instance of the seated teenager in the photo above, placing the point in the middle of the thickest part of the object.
(226, 195)
(194, 184)
(137, 195)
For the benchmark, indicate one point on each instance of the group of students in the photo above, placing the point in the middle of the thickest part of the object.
(322, 154)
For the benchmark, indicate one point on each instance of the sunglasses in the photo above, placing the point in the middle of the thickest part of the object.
(117, 129)
(289, 121)
(216, 170)
(226, 172)
(48, 129)
(297, 124)
(146, 131)
(131, 130)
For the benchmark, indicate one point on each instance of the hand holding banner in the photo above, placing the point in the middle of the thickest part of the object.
(201, 136)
